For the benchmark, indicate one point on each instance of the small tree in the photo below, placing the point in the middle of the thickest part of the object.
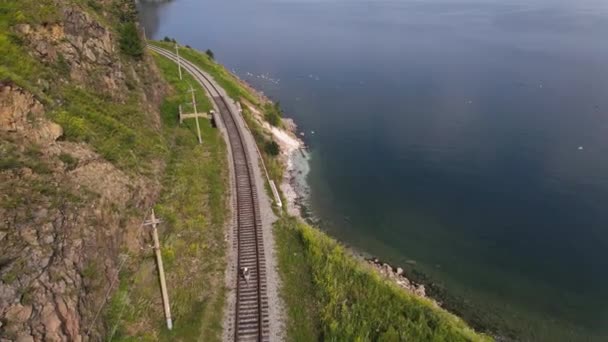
(272, 148)
(210, 54)
(130, 43)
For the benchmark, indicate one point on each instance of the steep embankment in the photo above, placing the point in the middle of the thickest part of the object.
(81, 157)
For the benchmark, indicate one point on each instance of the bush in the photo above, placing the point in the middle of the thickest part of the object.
(272, 148)
(273, 114)
(210, 54)
(69, 161)
(130, 43)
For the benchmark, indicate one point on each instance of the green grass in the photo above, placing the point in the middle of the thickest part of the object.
(236, 90)
(352, 301)
(273, 164)
(121, 132)
(223, 77)
(297, 292)
(340, 298)
(15, 63)
(193, 207)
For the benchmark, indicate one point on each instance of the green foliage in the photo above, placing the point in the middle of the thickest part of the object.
(69, 161)
(273, 165)
(193, 208)
(94, 4)
(16, 64)
(223, 77)
(9, 163)
(62, 65)
(297, 289)
(210, 54)
(272, 148)
(273, 113)
(121, 133)
(130, 42)
(355, 304)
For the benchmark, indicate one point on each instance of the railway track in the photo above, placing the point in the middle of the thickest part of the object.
(251, 309)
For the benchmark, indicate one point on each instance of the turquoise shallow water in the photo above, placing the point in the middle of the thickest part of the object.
(469, 137)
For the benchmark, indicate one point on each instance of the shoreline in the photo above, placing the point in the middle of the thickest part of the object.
(294, 157)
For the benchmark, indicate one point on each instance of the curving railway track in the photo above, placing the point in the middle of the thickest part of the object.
(251, 309)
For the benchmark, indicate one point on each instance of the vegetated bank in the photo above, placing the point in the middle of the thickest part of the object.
(82, 152)
(89, 144)
(194, 209)
(341, 297)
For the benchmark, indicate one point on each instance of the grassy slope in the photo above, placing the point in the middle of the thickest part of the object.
(121, 132)
(340, 298)
(193, 208)
(193, 201)
(219, 73)
(239, 92)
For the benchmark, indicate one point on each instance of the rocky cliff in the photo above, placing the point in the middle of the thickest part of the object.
(71, 203)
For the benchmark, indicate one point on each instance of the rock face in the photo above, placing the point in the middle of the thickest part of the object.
(58, 255)
(84, 45)
(19, 112)
(66, 215)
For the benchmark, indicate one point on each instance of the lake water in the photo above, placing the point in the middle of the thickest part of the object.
(466, 137)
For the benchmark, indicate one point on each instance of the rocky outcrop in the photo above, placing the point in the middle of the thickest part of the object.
(397, 276)
(61, 229)
(21, 112)
(67, 216)
(86, 47)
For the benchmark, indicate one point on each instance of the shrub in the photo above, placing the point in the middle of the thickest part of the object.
(62, 65)
(273, 113)
(130, 43)
(69, 161)
(210, 54)
(272, 148)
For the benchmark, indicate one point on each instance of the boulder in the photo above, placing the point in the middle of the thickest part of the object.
(18, 313)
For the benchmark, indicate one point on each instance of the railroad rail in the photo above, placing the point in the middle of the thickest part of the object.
(251, 309)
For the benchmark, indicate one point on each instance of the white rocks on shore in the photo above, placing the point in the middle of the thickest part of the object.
(397, 277)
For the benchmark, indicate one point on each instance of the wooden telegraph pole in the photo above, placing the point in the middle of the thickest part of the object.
(161, 271)
(179, 65)
(194, 115)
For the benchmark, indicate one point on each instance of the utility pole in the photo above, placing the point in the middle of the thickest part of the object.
(161, 271)
(145, 39)
(179, 65)
(194, 115)
(198, 128)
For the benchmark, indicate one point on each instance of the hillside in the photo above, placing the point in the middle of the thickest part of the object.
(82, 157)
